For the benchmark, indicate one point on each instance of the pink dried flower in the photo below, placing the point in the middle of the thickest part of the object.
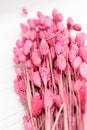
(36, 79)
(48, 98)
(48, 22)
(80, 38)
(72, 55)
(83, 70)
(25, 11)
(37, 105)
(78, 85)
(51, 68)
(56, 76)
(65, 50)
(69, 23)
(18, 71)
(83, 52)
(61, 62)
(27, 123)
(59, 17)
(31, 23)
(16, 51)
(58, 48)
(20, 88)
(42, 35)
(27, 35)
(42, 19)
(75, 48)
(65, 33)
(19, 43)
(54, 14)
(34, 45)
(80, 89)
(24, 27)
(16, 85)
(36, 59)
(52, 52)
(22, 57)
(28, 64)
(45, 74)
(77, 62)
(58, 100)
(77, 27)
(16, 60)
(33, 35)
(44, 48)
(27, 46)
(60, 26)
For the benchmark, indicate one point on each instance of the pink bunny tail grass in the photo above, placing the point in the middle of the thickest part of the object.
(24, 11)
(51, 68)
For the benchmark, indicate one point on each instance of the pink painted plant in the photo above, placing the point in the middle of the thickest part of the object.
(25, 11)
(51, 68)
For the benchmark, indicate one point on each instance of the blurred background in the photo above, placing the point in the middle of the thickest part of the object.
(11, 109)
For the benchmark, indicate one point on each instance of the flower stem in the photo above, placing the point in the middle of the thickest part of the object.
(48, 119)
(57, 117)
(28, 93)
(85, 114)
(65, 118)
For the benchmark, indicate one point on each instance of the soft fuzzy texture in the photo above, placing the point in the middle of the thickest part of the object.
(51, 68)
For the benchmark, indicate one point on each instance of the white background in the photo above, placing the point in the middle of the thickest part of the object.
(11, 110)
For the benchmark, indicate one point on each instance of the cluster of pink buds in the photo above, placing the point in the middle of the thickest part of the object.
(51, 68)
